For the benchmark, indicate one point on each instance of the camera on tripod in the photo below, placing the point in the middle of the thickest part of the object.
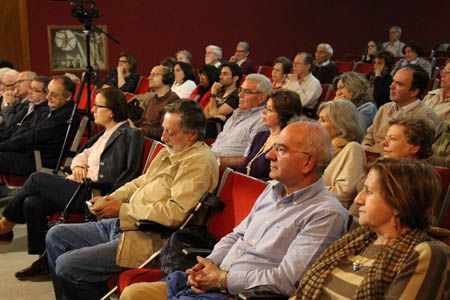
(84, 10)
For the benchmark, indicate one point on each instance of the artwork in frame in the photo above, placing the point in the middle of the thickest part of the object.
(67, 48)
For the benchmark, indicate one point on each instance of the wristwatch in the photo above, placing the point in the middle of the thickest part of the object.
(223, 282)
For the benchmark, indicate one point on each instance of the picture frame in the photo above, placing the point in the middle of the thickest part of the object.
(67, 48)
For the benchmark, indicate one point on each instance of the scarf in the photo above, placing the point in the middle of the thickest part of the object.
(338, 144)
(380, 275)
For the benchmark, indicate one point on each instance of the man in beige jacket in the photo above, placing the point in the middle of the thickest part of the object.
(83, 256)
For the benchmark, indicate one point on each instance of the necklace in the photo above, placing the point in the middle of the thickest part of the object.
(358, 263)
(267, 145)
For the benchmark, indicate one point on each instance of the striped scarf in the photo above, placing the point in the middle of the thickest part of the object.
(380, 275)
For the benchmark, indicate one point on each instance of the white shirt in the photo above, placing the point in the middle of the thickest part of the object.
(309, 90)
(183, 90)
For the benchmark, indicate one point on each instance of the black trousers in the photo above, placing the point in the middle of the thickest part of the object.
(42, 195)
(16, 163)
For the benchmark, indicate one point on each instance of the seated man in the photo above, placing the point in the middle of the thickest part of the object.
(24, 116)
(160, 81)
(291, 223)
(213, 55)
(304, 83)
(241, 58)
(408, 84)
(394, 45)
(47, 136)
(83, 256)
(233, 143)
(439, 99)
(324, 69)
(8, 79)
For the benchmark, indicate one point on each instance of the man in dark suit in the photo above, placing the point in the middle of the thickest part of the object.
(241, 58)
(324, 68)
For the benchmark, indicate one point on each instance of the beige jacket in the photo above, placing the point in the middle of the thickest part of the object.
(345, 172)
(166, 194)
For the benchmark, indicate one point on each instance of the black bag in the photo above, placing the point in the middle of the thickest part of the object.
(173, 259)
(135, 110)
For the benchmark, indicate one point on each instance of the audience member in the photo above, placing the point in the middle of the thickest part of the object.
(324, 69)
(9, 80)
(408, 84)
(224, 98)
(178, 177)
(413, 55)
(380, 78)
(281, 68)
(233, 143)
(124, 76)
(409, 136)
(354, 87)
(184, 56)
(184, 83)
(168, 62)
(394, 45)
(202, 93)
(439, 99)
(304, 83)
(346, 169)
(213, 55)
(373, 48)
(441, 146)
(47, 136)
(110, 159)
(291, 223)
(160, 80)
(390, 256)
(281, 107)
(241, 58)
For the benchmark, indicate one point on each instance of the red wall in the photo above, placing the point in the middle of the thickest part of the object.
(155, 29)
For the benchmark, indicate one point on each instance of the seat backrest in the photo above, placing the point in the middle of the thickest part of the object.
(142, 86)
(83, 103)
(344, 66)
(239, 192)
(363, 68)
(148, 146)
(433, 83)
(266, 70)
(443, 206)
(154, 150)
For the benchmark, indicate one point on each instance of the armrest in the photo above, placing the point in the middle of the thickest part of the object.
(192, 253)
(250, 295)
(144, 225)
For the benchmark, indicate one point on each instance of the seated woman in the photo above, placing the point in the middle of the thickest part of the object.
(110, 159)
(124, 76)
(184, 56)
(409, 136)
(390, 256)
(202, 93)
(372, 49)
(413, 52)
(280, 108)
(281, 68)
(380, 78)
(184, 82)
(346, 169)
(354, 87)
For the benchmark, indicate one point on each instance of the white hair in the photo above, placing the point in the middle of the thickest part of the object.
(328, 49)
(263, 83)
(216, 49)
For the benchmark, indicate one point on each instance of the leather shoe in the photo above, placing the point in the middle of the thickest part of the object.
(7, 237)
(39, 267)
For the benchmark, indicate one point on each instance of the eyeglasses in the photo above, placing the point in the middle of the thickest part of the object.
(269, 109)
(123, 61)
(37, 91)
(100, 106)
(23, 80)
(283, 151)
(155, 74)
(11, 85)
(299, 64)
(247, 91)
(444, 71)
(241, 51)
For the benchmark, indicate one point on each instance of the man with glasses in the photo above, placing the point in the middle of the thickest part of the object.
(233, 143)
(47, 136)
(8, 83)
(241, 58)
(394, 45)
(439, 99)
(124, 76)
(160, 80)
(291, 223)
(304, 83)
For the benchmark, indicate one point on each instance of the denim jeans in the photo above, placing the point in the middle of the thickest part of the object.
(82, 257)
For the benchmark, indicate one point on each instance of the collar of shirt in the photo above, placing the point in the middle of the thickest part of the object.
(406, 108)
(440, 95)
(174, 157)
(240, 62)
(298, 196)
(323, 64)
(162, 98)
(244, 112)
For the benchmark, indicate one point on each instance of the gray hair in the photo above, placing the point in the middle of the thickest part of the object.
(11, 73)
(263, 85)
(308, 58)
(186, 53)
(216, 49)
(30, 75)
(328, 49)
(244, 45)
(345, 119)
(397, 28)
(357, 84)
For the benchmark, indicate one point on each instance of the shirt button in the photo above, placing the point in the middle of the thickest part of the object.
(267, 222)
(101, 176)
(102, 163)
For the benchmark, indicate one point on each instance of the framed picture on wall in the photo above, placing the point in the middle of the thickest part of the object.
(67, 48)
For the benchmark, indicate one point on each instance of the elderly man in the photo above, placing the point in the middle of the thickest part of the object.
(17, 153)
(394, 45)
(8, 79)
(241, 58)
(408, 84)
(304, 83)
(213, 55)
(324, 69)
(439, 99)
(233, 143)
(160, 80)
(291, 223)
(83, 256)
(32, 111)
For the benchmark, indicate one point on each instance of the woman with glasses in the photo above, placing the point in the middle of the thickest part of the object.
(372, 48)
(413, 53)
(280, 108)
(124, 76)
(110, 159)
(345, 170)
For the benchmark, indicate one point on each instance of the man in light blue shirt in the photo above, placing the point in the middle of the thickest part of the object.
(292, 222)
